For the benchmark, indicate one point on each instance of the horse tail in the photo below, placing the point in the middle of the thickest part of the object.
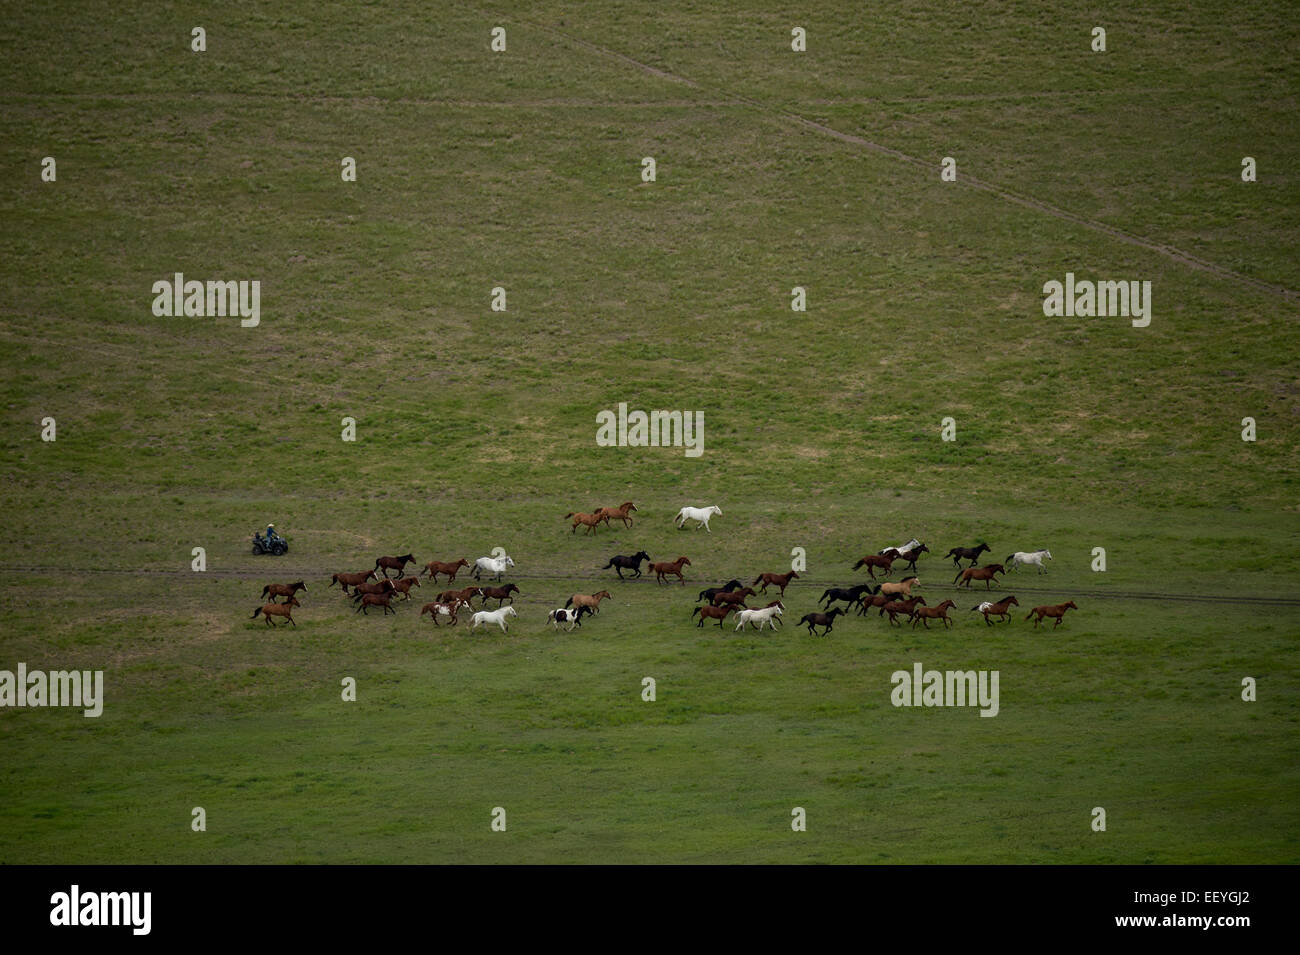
(568, 603)
(255, 613)
(568, 515)
(958, 577)
(1028, 615)
(694, 612)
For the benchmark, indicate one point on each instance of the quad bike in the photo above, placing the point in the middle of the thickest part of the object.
(276, 545)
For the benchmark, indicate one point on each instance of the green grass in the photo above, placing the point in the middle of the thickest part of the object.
(476, 429)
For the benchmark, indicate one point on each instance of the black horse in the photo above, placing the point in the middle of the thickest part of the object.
(972, 554)
(821, 620)
(708, 595)
(850, 594)
(621, 564)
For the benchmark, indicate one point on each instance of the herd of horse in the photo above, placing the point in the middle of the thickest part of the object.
(894, 599)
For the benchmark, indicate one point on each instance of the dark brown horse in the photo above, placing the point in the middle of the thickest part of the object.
(394, 563)
(276, 610)
(632, 562)
(675, 567)
(985, 573)
(283, 590)
(435, 567)
(972, 554)
(707, 593)
(351, 580)
(776, 580)
(1057, 611)
(465, 596)
(821, 620)
(926, 614)
(376, 600)
(499, 594)
(378, 587)
(734, 597)
(714, 613)
(999, 609)
(878, 600)
(908, 556)
(902, 608)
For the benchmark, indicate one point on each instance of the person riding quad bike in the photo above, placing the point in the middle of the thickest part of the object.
(273, 543)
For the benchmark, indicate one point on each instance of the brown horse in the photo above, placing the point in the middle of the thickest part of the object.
(972, 554)
(446, 609)
(903, 587)
(404, 585)
(588, 521)
(276, 610)
(985, 573)
(1057, 611)
(826, 620)
(620, 513)
(351, 580)
(465, 596)
(871, 602)
(776, 580)
(435, 567)
(926, 614)
(902, 607)
(394, 563)
(713, 613)
(376, 600)
(283, 590)
(872, 561)
(999, 609)
(499, 594)
(384, 586)
(734, 597)
(590, 601)
(662, 570)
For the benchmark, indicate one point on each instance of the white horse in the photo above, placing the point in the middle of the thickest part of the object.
(901, 548)
(494, 616)
(1033, 557)
(701, 514)
(492, 565)
(759, 618)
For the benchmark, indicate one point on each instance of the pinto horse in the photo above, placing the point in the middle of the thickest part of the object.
(872, 561)
(1000, 609)
(1057, 611)
(926, 614)
(633, 562)
(435, 567)
(436, 608)
(826, 620)
(283, 590)
(277, 610)
(972, 554)
(675, 567)
(588, 521)
(620, 513)
(985, 573)
(572, 617)
(713, 613)
(351, 580)
(775, 580)
(394, 563)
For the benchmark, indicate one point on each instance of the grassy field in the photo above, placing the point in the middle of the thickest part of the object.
(476, 429)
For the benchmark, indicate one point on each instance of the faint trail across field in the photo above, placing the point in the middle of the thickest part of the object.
(283, 572)
(1006, 195)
